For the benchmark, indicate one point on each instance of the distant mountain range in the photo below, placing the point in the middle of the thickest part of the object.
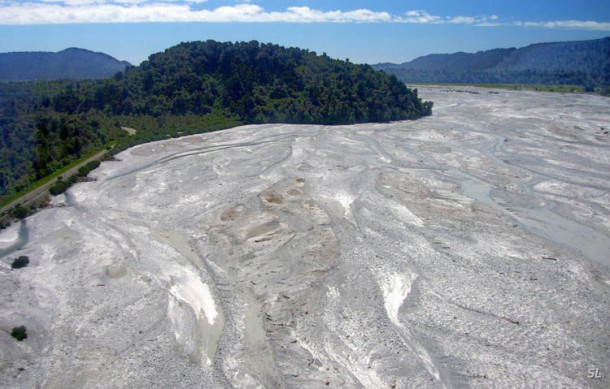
(585, 63)
(72, 63)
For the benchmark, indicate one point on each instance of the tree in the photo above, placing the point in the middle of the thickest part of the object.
(19, 211)
(20, 333)
(20, 262)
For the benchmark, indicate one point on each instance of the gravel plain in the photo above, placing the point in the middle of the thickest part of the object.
(467, 249)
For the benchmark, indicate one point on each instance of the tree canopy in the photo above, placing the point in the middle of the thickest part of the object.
(257, 82)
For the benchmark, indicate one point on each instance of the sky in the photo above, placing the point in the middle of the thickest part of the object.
(364, 31)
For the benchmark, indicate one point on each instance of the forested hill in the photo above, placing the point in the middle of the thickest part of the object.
(190, 88)
(69, 64)
(584, 63)
(257, 82)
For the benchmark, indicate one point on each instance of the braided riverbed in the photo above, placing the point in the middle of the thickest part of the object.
(467, 249)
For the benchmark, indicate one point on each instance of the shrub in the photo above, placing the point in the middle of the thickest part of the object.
(84, 170)
(60, 187)
(19, 333)
(19, 211)
(20, 262)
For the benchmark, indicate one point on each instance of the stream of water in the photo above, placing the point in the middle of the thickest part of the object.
(20, 242)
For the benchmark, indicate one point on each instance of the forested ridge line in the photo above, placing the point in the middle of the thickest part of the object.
(189, 88)
(585, 64)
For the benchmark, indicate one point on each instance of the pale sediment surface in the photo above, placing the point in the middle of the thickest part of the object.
(467, 249)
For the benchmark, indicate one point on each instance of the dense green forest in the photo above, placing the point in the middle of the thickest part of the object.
(257, 82)
(190, 88)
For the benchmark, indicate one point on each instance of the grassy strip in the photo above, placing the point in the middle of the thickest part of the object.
(150, 129)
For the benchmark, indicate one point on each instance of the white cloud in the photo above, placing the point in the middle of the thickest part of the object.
(90, 12)
(306, 14)
(117, 11)
(462, 20)
(423, 17)
(420, 17)
(135, 11)
(75, 2)
(571, 24)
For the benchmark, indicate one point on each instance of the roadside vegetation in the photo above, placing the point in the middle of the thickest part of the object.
(12, 196)
(19, 212)
(62, 185)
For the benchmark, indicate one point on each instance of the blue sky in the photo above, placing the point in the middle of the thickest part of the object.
(365, 31)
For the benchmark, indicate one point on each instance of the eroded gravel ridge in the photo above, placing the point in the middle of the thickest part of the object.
(467, 249)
